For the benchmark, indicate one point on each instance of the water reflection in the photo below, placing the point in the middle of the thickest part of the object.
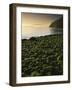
(40, 31)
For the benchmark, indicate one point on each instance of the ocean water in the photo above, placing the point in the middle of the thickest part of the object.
(39, 31)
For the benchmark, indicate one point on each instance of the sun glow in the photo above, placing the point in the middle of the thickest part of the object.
(32, 23)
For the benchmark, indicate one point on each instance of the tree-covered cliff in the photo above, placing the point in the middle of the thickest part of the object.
(58, 23)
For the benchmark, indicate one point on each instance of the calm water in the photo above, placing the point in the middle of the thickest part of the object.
(40, 31)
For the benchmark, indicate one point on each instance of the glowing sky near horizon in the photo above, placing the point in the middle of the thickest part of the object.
(36, 20)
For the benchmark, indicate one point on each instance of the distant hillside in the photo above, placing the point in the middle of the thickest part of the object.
(58, 23)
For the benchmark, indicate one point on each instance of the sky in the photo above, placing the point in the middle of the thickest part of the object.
(36, 20)
(31, 21)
